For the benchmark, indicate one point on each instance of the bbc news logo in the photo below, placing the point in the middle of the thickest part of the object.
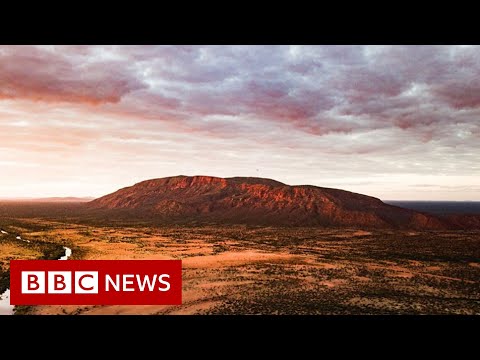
(96, 282)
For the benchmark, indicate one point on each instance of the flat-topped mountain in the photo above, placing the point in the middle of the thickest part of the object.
(249, 200)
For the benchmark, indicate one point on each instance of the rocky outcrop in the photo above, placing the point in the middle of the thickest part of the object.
(259, 201)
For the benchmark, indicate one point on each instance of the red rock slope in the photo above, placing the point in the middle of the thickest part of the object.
(259, 201)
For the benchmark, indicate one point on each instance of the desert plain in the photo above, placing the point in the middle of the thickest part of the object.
(243, 269)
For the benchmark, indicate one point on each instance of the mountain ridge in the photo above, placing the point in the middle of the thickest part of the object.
(260, 201)
(57, 199)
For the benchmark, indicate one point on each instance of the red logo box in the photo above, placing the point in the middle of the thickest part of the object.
(96, 282)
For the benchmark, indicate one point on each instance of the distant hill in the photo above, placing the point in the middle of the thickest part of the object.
(455, 214)
(440, 207)
(259, 201)
(53, 199)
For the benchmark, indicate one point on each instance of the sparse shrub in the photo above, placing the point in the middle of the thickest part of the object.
(219, 248)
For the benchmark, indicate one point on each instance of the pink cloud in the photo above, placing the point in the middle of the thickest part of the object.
(188, 83)
(460, 95)
(30, 73)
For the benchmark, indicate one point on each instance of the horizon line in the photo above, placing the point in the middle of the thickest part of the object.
(26, 198)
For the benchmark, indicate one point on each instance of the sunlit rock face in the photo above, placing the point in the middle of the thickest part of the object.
(260, 201)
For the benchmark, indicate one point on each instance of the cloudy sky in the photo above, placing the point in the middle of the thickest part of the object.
(394, 122)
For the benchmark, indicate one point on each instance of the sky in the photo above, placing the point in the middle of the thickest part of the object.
(394, 122)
